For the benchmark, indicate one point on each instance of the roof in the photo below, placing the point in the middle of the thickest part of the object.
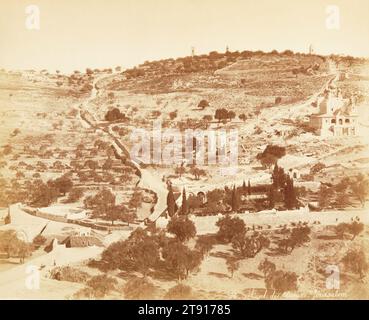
(82, 241)
(346, 110)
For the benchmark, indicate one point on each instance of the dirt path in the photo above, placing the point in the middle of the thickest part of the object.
(149, 178)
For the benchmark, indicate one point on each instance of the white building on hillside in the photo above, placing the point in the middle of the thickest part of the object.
(337, 116)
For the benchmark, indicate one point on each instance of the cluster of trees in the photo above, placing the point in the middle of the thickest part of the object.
(13, 246)
(298, 236)
(218, 200)
(282, 186)
(43, 194)
(354, 228)
(143, 289)
(97, 287)
(233, 230)
(282, 190)
(342, 193)
(148, 251)
(223, 114)
(103, 205)
(197, 63)
(226, 200)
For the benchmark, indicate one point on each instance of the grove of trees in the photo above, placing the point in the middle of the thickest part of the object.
(151, 252)
(13, 246)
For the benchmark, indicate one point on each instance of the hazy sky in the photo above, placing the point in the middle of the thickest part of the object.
(75, 34)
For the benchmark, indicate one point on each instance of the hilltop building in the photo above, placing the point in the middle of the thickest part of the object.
(337, 116)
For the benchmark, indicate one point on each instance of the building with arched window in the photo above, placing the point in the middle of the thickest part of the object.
(337, 116)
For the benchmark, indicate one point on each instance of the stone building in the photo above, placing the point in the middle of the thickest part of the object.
(337, 116)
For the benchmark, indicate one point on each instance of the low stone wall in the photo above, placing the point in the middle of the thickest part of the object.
(64, 219)
(50, 216)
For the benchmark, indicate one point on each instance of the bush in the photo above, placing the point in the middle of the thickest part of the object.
(278, 100)
(203, 104)
(114, 115)
(173, 115)
(69, 274)
(39, 240)
(101, 285)
(179, 292)
(139, 289)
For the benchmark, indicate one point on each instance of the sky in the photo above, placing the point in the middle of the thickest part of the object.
(76, 34)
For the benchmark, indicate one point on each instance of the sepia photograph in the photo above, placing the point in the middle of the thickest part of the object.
(184, 150)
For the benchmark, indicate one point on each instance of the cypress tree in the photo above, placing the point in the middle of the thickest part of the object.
(286, 191)
(171, 204)
(281, 177)
(184, 209)
(275, 176)
(271, 197)
(235, 200)
(244, 188)
(249, 187)
(289, 194)
(293, 195)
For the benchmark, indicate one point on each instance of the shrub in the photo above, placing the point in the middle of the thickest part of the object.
(114, 115)
(179, 292)
(101, 285)
(69, 274)
(203, 104)
(139, 289)
(278, 100)
(39, 240)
